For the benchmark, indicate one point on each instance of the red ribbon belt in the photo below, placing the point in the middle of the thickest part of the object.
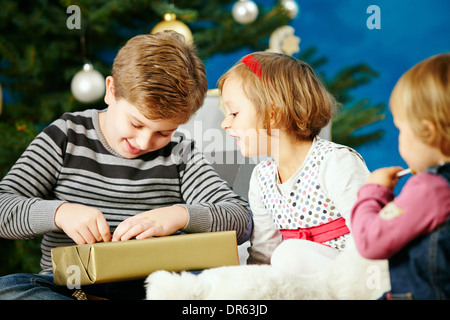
(322, 233)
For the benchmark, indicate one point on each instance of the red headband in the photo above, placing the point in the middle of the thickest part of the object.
(253, 64)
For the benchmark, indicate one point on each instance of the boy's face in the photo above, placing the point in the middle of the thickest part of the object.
(128, 132)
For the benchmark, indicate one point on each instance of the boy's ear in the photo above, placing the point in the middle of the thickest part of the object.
(109, 95)
(429, 132)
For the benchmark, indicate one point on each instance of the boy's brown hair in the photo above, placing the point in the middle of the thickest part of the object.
(423, 93)
(286, 92)
(161, 75)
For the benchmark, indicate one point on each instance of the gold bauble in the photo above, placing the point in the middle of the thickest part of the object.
(171, 23)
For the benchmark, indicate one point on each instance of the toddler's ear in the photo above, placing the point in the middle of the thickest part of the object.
(429, 132)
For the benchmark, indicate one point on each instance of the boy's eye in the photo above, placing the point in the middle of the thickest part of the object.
(163, 135)
(135, 125)
(233, 114)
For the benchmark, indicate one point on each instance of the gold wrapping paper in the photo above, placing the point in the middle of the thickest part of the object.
(136, 259)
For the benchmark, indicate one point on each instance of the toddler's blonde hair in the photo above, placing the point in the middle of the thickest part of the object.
(423, 93)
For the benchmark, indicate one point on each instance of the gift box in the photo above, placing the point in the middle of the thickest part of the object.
(136, 259)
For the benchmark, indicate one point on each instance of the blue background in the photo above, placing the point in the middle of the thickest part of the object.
(411, 30)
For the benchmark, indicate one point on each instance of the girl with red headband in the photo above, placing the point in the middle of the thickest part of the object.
(301, 196)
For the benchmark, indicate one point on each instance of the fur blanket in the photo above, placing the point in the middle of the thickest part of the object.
(350, 277)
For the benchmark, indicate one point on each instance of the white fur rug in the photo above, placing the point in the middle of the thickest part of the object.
(350, 277)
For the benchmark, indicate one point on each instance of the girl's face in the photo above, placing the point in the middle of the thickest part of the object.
(242, 121)
(130, 133)
(417, 154)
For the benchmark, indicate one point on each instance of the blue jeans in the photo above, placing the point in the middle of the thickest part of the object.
(25, 286)
(421, 270)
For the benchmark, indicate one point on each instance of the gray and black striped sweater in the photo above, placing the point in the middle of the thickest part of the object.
(70, 161)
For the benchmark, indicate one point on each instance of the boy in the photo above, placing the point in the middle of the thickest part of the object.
(116, 174)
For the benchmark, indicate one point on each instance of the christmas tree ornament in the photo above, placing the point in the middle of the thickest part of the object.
(291, 7)
(283, 40)
(88, 85)
(171, 23)
(245, 11)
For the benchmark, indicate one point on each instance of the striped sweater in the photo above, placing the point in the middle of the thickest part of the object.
(70, 161)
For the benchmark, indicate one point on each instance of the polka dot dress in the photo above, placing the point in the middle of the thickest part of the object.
(306, 205)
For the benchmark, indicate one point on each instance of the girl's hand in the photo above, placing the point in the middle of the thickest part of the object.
(385, 176)
(158, 222)
(82, 224)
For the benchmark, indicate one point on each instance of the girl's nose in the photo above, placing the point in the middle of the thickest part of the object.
(225, 123)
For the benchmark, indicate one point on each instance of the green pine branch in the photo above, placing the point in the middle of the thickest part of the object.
(352, 125)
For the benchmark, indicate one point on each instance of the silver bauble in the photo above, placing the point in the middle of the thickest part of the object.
(291, 7)
(245, 11)
(88, 85)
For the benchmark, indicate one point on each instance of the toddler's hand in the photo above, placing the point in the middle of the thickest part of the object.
(385, 176)
(82, 223)
(154, 223)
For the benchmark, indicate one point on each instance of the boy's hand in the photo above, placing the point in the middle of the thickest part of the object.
(153, 223)
(82, 223)
(385, 176)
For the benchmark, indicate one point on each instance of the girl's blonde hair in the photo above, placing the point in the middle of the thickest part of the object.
(286, 92)
(423, 93)
(161, 75)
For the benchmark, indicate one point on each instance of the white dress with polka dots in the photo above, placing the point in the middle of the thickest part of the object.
(322, 190)
(306, 205)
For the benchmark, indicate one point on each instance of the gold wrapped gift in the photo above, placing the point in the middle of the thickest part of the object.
(136, 259)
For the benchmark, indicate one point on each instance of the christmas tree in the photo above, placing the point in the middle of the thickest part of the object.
(42, 48)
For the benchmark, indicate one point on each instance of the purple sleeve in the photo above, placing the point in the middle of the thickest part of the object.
(382, 224)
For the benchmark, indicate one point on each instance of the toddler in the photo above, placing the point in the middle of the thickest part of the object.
(412, 230)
